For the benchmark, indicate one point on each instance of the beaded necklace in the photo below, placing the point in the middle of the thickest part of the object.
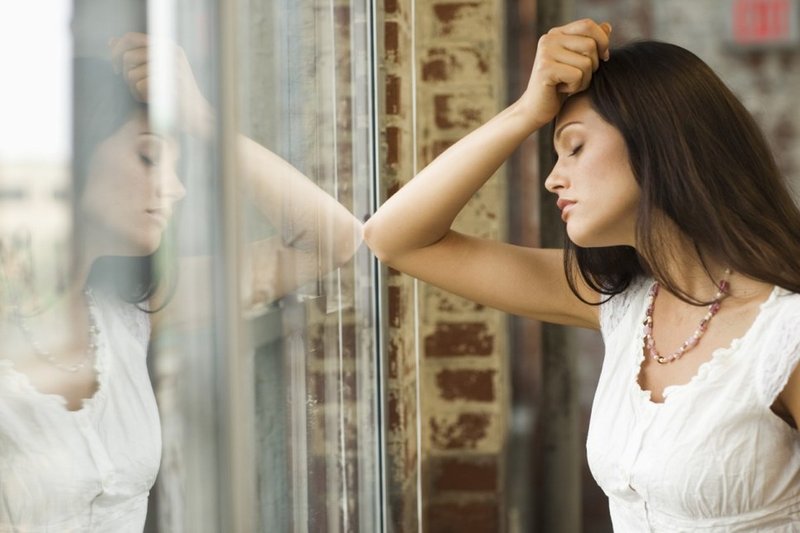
(49, 357)
(694, 338)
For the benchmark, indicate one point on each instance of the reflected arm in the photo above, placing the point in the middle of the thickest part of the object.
(318, 234)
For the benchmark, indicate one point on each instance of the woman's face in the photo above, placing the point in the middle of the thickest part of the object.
(597, 192)
(130, 191)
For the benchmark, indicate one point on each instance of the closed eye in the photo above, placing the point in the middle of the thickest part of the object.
(576, 150)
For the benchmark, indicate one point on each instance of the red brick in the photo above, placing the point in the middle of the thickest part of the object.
(392, 146)
(473, 475)
(472, 385)
(447, 118)
(447, 12)
(394, 415)
(392, 94)
(459, 338)
(391, 40)
(393, 356)
(472, 517)
(463, 434)
(395, 307)
(436, 68)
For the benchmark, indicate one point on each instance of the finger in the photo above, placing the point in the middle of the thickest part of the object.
(138, 81)
(563, 76)
(141, 89)
(135, 40)
(606, 53)
(576, 61)
(134, 75)
(585, 46)
(134, 58)
(121, 45)
(572, 80)
(589, 28)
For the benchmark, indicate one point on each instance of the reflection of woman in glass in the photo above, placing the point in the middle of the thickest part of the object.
(79, 430)
(683, 250)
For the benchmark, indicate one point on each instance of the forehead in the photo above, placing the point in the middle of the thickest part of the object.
(575, 108)
(579, 109)
(138, 125)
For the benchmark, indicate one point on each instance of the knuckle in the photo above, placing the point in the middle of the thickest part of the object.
(546, 64)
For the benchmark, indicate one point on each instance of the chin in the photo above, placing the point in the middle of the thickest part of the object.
(582, 239)
(592, 240)
(143, 245)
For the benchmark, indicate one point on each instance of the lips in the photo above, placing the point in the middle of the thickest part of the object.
(565, 206)
(160, 215)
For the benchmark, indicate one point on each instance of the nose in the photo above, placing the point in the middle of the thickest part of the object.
(170, 186)
(555, 180)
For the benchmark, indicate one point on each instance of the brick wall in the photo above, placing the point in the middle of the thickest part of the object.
(458, 348)
(464, 346)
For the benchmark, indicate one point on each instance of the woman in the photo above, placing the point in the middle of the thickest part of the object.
(80, 439)
(683, 247)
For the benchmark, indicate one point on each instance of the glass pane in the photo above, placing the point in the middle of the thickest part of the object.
(185, 302)
(305, 96)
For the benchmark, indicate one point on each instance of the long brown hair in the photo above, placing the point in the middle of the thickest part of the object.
(102, 104)
(703, 166)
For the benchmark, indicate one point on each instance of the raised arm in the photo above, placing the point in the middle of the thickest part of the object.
(324, 234)
(412, 231)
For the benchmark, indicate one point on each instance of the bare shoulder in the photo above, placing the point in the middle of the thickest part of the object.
(524, 281)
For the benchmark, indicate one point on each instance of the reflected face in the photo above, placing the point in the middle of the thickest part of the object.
(131, 190)
(597, 192)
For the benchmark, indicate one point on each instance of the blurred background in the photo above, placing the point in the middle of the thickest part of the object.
(302, 386)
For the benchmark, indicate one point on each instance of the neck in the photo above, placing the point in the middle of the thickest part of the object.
(700, 279)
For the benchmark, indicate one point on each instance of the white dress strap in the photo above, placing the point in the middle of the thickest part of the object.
(773, 372)
(134, 317)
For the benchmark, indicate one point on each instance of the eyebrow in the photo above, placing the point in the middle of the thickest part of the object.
(560, 129)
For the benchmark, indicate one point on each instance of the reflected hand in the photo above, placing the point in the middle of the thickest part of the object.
(566, 58)
(130, 58)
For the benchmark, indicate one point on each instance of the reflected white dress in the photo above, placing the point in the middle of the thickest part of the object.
(713, 457)
(89, 470)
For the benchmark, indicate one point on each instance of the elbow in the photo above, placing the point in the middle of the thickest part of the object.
(349, 243)
(373, 237)
(342, 244)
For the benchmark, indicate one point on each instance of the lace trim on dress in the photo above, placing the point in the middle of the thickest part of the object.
(613, 311)
(720, 361)
(774, 371)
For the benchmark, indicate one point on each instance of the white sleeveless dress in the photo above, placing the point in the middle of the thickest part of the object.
(713, 457)
(89, 470)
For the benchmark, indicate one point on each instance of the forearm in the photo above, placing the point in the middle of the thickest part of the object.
(422, 211)
(319, 223)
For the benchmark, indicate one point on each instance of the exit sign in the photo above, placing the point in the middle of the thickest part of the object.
(764, 23)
